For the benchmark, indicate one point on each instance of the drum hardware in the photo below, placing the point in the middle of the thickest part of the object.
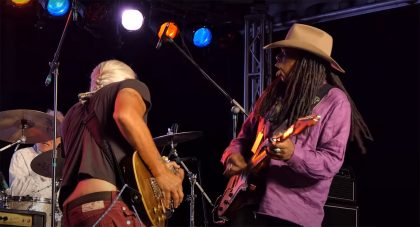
(29, 203)
(3, 184)
(22, 126)
(41, 164)
(175, 138)
(172, 139)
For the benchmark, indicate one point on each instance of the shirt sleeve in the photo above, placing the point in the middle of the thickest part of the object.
(325, 158)
(23, 181)
(17, 169)
(243, 142)
(140, 87)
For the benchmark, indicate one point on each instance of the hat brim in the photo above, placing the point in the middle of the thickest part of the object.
(306, 47)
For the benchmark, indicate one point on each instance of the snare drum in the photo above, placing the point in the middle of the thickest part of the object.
(24, 202)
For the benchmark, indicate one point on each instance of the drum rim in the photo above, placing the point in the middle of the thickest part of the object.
(33, 199)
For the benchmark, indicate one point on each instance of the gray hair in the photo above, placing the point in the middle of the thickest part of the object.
(60, 116)
(109, 72)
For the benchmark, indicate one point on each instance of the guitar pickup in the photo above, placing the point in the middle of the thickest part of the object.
(155, 187)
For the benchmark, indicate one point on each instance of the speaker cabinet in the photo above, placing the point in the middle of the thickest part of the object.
(12, 217)
(343, 187)
(340, 215)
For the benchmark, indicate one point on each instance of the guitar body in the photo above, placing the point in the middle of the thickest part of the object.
(148, 201)
(242, 190)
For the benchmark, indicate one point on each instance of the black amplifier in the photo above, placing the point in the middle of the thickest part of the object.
(340, 215)
(343, 186)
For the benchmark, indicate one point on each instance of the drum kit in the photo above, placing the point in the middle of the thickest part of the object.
(23, 126)
(171, 139)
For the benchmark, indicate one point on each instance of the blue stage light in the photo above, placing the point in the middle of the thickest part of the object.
(58, 7)
(202, 37)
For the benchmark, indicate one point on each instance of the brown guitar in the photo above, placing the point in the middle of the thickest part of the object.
(149, 202)
(239, 191)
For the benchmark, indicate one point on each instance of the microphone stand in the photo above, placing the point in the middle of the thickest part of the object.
(236, 107)
(54, 72)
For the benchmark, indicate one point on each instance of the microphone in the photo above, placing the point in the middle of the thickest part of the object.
(3, 183)
(159, 43)
(48, 80)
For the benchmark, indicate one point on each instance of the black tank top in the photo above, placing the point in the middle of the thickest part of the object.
(84, 159)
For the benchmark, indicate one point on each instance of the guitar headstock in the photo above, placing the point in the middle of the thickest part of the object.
(296, 128)
(304, 122)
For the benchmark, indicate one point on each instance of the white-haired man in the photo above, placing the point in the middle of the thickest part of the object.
(117, 106)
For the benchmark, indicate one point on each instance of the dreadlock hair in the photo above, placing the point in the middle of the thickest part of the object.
(295, 96)
(359, 129)
(301, 87)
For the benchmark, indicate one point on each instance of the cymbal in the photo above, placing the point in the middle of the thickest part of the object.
(35, 126)
(41, 164)
(176, 138)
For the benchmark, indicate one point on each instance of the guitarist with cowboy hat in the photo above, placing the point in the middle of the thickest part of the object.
(300, 169)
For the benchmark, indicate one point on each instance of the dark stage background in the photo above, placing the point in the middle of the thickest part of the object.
(380, 52)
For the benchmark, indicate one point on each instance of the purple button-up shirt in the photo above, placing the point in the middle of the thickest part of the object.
(297, 189)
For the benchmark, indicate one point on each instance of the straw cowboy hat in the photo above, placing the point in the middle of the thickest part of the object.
(309, 39)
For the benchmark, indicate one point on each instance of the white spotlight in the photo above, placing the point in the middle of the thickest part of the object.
(132, 19)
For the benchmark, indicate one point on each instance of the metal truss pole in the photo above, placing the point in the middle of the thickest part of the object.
(257, 62)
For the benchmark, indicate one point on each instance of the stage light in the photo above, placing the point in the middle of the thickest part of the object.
(20, 2)
(56, 8)
(202, 37)
(171, 32)
(132, 19)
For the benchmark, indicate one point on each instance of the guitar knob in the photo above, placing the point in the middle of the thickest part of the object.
(252, 187)
(226, 202)
(155, 210)
(230, 194)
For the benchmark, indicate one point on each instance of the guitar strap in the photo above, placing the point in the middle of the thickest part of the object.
(321, 93)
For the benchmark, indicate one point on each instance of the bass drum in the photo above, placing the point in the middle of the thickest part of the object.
(33, 204)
